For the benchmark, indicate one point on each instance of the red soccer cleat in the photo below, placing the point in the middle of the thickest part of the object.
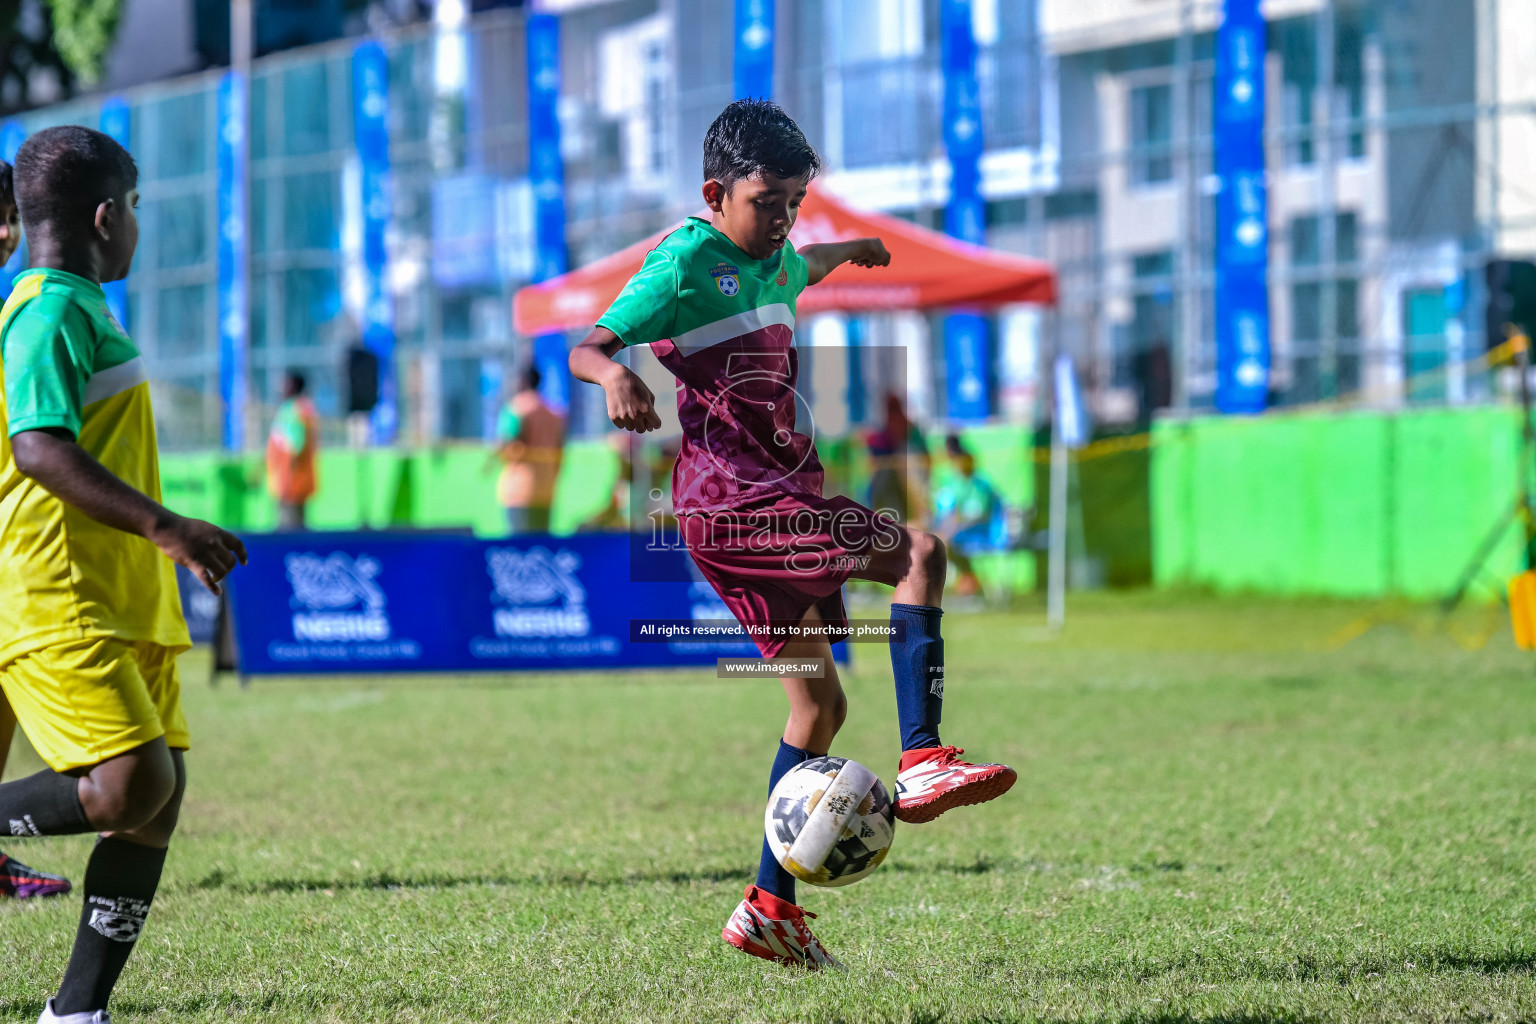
(931, 780)
(774, 929)
(19, 882)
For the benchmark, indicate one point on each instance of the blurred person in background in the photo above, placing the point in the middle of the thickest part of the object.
(967, 513)
(531, 439)
(10, 219)
(17, 881)
(900, 459)
(615, 514)
(291, 448)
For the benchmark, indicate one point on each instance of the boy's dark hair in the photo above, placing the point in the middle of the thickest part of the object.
(753, 136)
(295, 381)
(64, 173)
(7, 184)
(530, 379)
(955, 446)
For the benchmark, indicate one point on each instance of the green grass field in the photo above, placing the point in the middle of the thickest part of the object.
(1218, 819)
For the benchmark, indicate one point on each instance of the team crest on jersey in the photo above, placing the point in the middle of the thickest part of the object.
(725, 279)
(783, 278)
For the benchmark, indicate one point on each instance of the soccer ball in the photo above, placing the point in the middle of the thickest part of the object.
(829, 821)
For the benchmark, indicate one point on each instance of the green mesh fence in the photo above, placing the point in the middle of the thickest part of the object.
(1349, 504)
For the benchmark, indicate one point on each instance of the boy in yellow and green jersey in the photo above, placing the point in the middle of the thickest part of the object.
(17, 880)
(90, 623)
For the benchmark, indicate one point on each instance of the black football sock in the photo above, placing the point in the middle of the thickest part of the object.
(120, 883)
(45, 804)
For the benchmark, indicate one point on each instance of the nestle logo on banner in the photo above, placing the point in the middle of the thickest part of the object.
(540, 589)
(336, 598)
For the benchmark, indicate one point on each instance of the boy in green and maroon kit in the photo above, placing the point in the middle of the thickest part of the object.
(716, 302)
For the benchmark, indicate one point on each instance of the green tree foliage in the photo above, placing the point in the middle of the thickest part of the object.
(83, 31)
(29, 61)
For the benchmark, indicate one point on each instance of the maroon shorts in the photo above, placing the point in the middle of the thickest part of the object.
(772, 562)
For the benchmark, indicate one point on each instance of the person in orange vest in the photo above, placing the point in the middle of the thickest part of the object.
(531, 439)
(291, 448)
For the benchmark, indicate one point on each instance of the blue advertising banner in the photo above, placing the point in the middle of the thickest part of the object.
(752, 65)
(233, 316)
(370, 120)
(321, 603)
(1242, 240)
(967, 341)
(115, 119)
(546, 176)
(12, 135)
(967, 366)
(199, 606)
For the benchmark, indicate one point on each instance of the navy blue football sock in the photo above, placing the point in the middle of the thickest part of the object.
(769, 875)
(918, 665)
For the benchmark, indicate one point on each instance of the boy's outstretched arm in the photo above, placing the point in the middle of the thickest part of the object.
(825, 257)
(631, 406)
(70, 473)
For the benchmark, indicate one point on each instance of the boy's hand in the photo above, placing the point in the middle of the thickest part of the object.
(631, 406)
(202, 547)
(872, 254)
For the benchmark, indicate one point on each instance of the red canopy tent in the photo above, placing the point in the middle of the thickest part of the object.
(927, 269)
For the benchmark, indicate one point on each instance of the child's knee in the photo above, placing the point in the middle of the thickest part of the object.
(133, 804)
(839, 711)
(158, 828)
(928, 553)
(824, 714)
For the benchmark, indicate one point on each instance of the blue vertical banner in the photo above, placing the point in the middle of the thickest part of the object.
(546, 176)
(752, 65)
(967, 367)
(12, 135)
(1073, 425)
(114, 123)
(967, 338)
(1242, 232)
(234, 307)
(370, 126)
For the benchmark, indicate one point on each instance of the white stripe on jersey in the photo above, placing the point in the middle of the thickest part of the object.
(115, 380)
(700, 338)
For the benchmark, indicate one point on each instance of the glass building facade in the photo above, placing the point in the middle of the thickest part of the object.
(1387, 180)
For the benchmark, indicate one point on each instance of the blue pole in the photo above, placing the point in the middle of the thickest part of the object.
(967, 340)
(546, 175)
(753, 56)
(115, 122)
(1242, 234)
(233, 301)
(370, 119)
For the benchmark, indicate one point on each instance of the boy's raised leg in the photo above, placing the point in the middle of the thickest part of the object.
(931, 778)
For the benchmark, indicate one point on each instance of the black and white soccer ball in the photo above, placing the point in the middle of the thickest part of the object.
(830, 821)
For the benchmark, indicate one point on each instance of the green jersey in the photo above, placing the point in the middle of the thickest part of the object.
(66, 364)
(723, 324)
